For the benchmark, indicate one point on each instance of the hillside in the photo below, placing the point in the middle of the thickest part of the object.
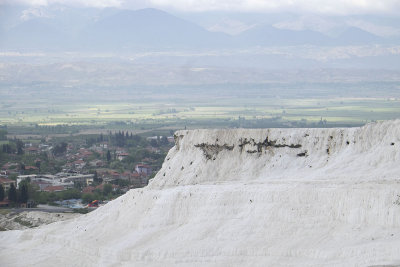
(265, 197)
(148, 28)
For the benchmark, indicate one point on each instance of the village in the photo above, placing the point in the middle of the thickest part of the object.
(83, 169)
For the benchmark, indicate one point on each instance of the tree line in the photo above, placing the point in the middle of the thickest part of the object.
(15, 146)
(20, 195)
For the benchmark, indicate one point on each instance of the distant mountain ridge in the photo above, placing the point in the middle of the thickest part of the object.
(150, 28)
(116, 30)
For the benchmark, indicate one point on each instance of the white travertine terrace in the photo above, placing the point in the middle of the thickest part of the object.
(240, 197)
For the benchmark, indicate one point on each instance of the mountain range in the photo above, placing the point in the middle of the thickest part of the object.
(140, 30)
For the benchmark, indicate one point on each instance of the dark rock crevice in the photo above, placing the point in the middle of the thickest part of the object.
(210, 151)
(263, 145)
(302, 154)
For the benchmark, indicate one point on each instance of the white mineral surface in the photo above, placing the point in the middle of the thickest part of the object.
(29, 219)
(265, 197)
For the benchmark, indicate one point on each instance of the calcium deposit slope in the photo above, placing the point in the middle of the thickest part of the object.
(265, 197)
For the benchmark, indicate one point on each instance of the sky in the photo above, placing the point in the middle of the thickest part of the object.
(328, 7)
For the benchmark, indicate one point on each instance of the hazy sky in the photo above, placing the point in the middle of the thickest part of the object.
(330, 7)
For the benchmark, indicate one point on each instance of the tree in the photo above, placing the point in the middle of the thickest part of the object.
(122, 183)
(60, 149)
(8, 149)
(3, 134)
(37, 164)
(108, 155)
(12, 193)
(120, 139)
(20, 146)
(107, 188)
(23, 192)
(87, 198)
(96, 179)
(78, 185)
(1, 192)
(154, 143)
(90, 141)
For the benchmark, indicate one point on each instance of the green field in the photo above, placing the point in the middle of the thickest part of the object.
(296, 105)
(341, 110)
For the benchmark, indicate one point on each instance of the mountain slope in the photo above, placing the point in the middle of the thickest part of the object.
(110, 30)
(356, 36)
(36, 33)
(149, 28)
(265, 197)
(269, 35)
